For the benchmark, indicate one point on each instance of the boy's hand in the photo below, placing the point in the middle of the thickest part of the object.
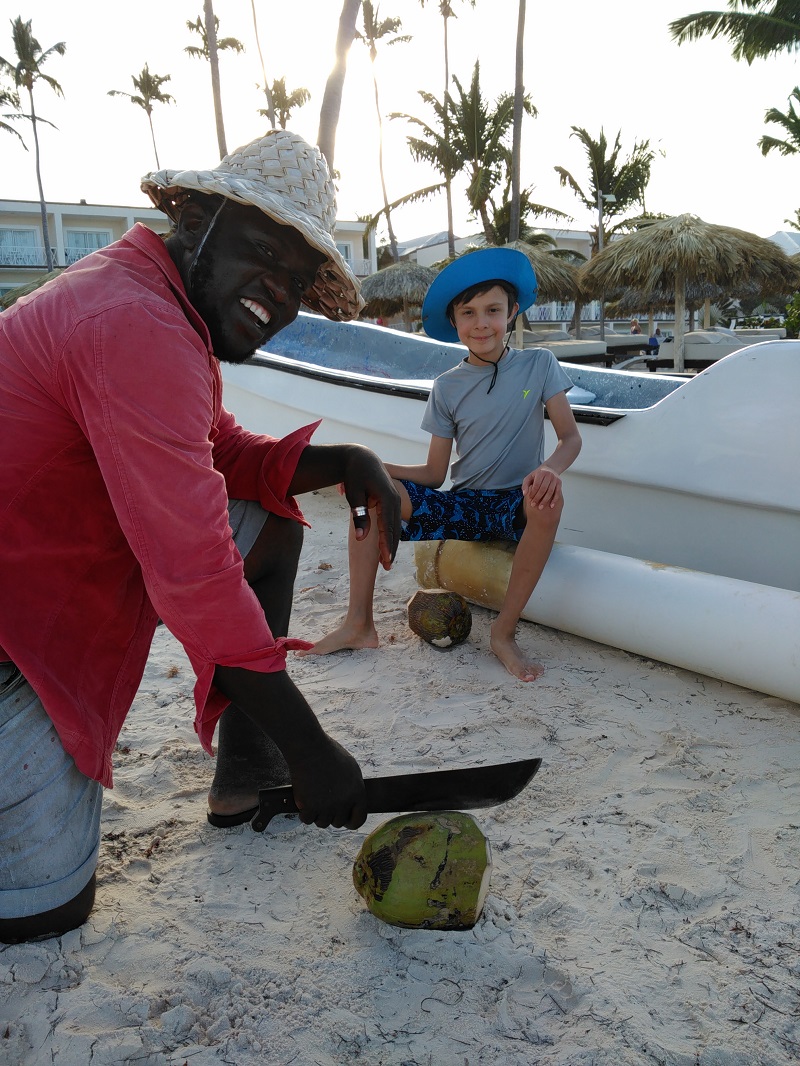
(542, 487)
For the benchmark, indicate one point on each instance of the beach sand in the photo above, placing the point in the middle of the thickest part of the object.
(643, 906)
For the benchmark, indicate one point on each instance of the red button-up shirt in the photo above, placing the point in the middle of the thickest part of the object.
(117, 459)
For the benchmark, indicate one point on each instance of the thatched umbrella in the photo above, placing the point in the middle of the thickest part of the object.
(13, 295)
(667, 256)
(395, 289)
(557, 278)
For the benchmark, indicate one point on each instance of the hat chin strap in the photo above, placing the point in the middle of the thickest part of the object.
(203, 240)
(494, 362)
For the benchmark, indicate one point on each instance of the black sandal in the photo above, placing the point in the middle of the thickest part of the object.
(227, 821)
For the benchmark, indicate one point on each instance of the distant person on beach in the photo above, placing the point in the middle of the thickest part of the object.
(128, 494)
(635, 327)
(654, 341)
(491, 407)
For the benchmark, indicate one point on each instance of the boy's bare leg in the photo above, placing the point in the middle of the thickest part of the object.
(357, 630)
(533, 551)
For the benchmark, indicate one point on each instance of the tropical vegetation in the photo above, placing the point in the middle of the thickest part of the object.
(334, 86)
(283, 102)
(614, 183)
(757, 29)
(207, 28)
(27, 73)
(789, 121)
(377, 29)
(148, 92)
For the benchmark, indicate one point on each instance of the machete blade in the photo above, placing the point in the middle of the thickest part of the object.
(469, 788)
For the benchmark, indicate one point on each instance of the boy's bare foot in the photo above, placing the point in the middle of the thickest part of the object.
(346, 637)
(508, 652)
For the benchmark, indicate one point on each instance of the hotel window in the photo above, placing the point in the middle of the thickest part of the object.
(20, 247)
(79, 242)
(345, 250)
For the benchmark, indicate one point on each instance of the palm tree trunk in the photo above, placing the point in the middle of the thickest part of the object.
(48, 255)
(149, 111)
(519, 92)
(386, 208)
(451, 240)
(213, 59)
(332, 98)
(680, 311)
(267, 93)
(488, 228)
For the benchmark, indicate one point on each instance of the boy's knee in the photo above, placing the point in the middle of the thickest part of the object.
(544, 517)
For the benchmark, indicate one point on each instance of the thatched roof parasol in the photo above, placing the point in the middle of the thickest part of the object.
(664, 258)
(396, 289)
(557, 278)
(13, 295)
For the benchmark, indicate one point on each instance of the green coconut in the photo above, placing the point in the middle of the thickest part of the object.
(441, 618)
(425, 871)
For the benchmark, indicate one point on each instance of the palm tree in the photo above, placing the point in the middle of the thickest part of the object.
(609, 175)
(26, 72)
(500, 216)
(478, 134)
(8, 98)
(149, 92)
(515, 217)
(284, 101)
(756, 28)
(332, 97)
(445, 7)
(207, 29)
(447, 12)
(434, 147)
(790, 121)
(376, 29)
(270, 111)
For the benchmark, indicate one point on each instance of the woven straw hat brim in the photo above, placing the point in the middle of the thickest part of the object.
(486, 264)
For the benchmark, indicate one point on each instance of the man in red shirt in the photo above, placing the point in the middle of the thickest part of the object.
(123, 482)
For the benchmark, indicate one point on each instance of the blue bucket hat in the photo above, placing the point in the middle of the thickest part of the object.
(487, 264)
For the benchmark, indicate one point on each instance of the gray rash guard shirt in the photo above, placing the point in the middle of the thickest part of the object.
(499, 436)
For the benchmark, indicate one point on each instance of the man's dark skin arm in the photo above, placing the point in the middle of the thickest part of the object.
(366, 484)
(326, 780)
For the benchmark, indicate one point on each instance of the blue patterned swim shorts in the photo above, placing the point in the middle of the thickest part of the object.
(466, 514)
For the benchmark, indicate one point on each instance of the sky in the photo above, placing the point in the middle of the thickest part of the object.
(595, 65)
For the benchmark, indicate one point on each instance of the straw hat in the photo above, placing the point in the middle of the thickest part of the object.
(487, 264)
(288, 180)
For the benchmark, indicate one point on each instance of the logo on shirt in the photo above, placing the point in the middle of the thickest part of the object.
(525, 394)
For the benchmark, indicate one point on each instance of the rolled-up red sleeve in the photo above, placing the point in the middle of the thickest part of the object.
(258, 467)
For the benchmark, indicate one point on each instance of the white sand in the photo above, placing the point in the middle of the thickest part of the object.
(643, 906)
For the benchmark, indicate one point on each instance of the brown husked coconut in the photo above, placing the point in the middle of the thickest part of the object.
(441, 618)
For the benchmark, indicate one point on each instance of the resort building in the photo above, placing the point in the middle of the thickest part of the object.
(77, 229)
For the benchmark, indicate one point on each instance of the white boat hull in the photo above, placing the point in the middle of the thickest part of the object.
(737, 631)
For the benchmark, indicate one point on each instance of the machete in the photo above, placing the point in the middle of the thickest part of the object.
(439, 790)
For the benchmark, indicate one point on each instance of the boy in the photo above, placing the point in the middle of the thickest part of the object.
(491, 407)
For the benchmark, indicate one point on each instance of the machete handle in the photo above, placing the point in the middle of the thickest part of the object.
(272, 801)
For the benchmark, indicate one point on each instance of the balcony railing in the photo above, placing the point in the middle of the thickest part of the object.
(72, 255)
(22, 255)
(360, 267)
